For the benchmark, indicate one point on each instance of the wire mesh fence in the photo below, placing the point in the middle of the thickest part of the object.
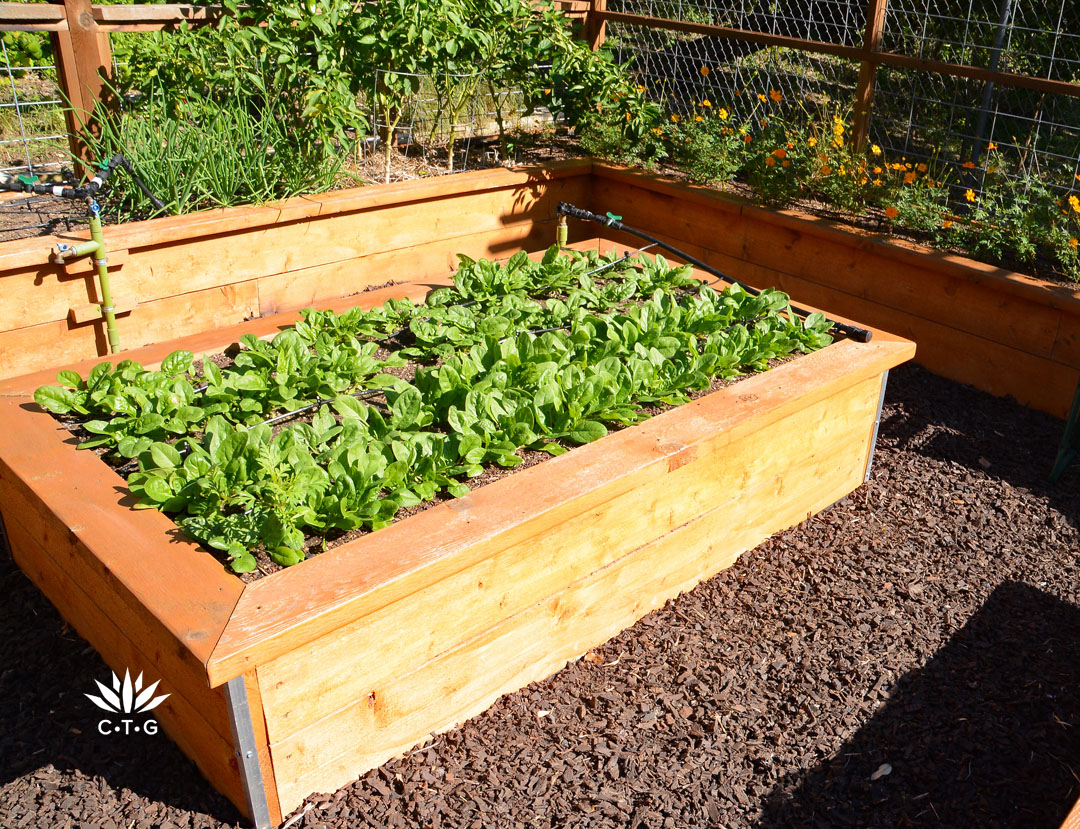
(950, 121)
(33, 141)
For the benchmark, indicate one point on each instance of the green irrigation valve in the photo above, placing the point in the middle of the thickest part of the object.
(613, 217)
(28, 179)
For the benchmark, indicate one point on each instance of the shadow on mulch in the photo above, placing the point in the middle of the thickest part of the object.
(960, 425)
(1007, 684)
(49, 732)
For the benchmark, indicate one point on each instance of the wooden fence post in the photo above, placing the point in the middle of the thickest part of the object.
(594, 27)
(83, 60)
(864, 92)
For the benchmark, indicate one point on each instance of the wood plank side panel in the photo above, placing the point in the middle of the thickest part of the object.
(998, 341)
(339, 668)
(182, 715)
(538, 640)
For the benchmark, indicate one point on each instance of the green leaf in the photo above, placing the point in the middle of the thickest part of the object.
(587, 431)
(69, 379)
(55, 399)
(405, 409)
(177, 363)
(243, 562)
(165, 456)
(287, 556)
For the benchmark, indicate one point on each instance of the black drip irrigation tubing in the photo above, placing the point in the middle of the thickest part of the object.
(856, 333)
(89, 190)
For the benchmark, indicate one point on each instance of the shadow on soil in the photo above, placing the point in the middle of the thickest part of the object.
(993, 715)
(985, 440)
(47, 724)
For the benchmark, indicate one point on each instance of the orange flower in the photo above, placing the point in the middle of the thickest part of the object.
(770, 161)
(877, 182)
(875, 149)
(675, 117)
(891, 212)
(968, 165)
(706, 103)
(1074, 203)
(704, 71)
(698, 118)
(1073, 242)
(657, 131)
(790, 146)
(970, 195)
(761, 97)
(776, 95)
(780, 153)
(909, 178)
(947, 224)
(921, 168)
(812, 141)
(991, 146)
(785, 163)
(747, 138)
(826, 170)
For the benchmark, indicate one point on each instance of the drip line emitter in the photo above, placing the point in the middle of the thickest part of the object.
(564, 209)
(96, 246)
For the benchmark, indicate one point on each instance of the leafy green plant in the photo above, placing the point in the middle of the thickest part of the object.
(541, 355)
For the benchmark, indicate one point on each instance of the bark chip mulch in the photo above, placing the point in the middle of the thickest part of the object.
(907, 658)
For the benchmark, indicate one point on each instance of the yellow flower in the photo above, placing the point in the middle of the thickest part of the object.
(657, 131)
(769, 161)
(838, 140)
(761, 97)
(547, 91)
(1074, 203)
(628, 116)
(640, 88)
(947, 224)
(1073, 243)
(991, 146)
(875, 149)
(812, 141)
(842, 171)
(722, 114)
(675, 117)
(706, 103)
(970, 195)
(968, 165)
(776, 95)
(891, 212)
(909, 178)
(704, 71)
(877, 182)
(698, 118)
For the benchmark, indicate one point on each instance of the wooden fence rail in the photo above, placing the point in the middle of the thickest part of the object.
(80, 32)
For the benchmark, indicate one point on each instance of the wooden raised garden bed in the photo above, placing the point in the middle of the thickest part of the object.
(299, 681)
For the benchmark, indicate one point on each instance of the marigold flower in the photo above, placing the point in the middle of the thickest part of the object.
(770, 161)
(991, 146)
(1076, 176)
(877, 182)
(877, 170)
(776, 95)
(761, 97)
(968, 165)
(675, 117)
(843, 170)
(790, 146)
(811, 141)
(640, 88)
(706, 103)
(875, 149)
(826, 170)
(891, 212)
(698, 118)
(657, 131)
(838, 141)
(704, 71)
(1073, 243)
(921, 168)
(628, 116)
(947, 224)
(930, 182)
(909, 178)
(1074, 203)
(722, 114)
(785, 163)
(970, 195)
(747, 138)
(547, 91)
(780, 153)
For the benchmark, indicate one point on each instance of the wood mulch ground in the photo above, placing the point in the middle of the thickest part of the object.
(906, 658)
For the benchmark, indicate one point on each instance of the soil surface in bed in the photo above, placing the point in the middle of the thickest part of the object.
(907, 658)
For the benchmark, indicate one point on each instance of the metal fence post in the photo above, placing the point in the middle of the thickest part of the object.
(864, 92)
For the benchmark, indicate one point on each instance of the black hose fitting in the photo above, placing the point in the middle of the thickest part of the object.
(861, 335)
(86, 191)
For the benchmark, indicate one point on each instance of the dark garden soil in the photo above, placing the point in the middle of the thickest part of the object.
(906, 658)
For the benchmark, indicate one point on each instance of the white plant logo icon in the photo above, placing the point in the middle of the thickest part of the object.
(127, 697)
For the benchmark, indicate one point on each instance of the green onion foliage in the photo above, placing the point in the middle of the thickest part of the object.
(540, 355)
